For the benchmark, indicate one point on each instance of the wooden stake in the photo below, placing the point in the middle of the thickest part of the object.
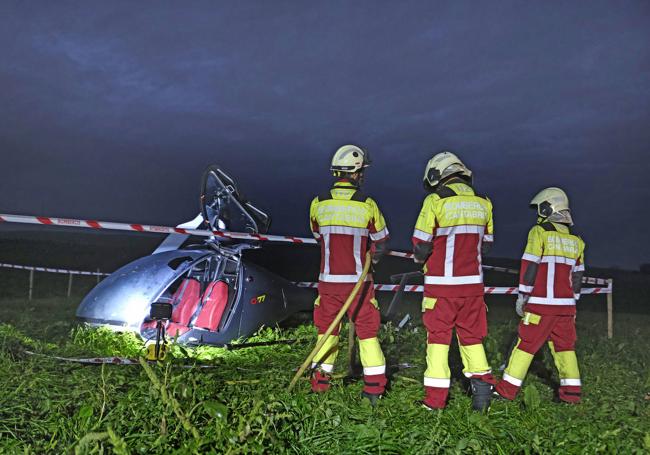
(69, 284)
(610, 309)
(31, 284)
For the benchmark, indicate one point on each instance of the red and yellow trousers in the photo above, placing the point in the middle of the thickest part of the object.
(534, 330)
(364, 312)
(440, 316)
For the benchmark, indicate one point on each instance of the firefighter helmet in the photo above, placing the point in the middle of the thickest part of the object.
(441, 166)
(552, 204)
(349, 159)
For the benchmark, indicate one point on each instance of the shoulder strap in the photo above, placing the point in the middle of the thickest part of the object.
(444, 192)
(326, 196)
(548, 226)
(359, 196)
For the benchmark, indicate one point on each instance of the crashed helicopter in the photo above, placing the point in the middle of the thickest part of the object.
(216, 294)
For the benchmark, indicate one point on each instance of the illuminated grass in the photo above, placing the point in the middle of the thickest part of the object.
(242, 406)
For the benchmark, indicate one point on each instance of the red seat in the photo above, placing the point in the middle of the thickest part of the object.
(215, 299)
(186, 300)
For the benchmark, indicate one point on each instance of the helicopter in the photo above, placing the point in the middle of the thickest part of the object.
(216, 294)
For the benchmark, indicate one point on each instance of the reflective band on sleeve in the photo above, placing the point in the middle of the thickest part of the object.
(531, 258)
(371, 371)
(579, 268)
(551, 301)
(345, 230)
(576, 296)
(512, 380)
(471, 279)
(525, 289)
(316, 235)
(558, 260)
(573, 382)
(421, 235)
(326, 367)
(435, 382)
(379, 235)
(488, 238)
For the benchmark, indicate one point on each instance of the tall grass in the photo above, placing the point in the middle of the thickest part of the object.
(241, 405)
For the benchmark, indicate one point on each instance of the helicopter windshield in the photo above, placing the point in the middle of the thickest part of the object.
(224, 208)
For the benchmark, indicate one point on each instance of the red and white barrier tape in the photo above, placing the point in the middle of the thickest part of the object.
(51, 270)
(488, 289)
(93, 224)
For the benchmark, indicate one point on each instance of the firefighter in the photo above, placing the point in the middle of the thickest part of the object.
(347, 223)
(549, 287)
(453, 231)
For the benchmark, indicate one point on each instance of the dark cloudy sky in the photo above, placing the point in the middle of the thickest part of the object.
(111, 110)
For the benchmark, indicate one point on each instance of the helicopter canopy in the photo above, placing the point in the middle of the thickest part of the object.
(224, 208)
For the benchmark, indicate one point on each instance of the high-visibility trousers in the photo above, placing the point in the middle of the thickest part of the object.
(534, 331)
(440, 316)
(364, 312)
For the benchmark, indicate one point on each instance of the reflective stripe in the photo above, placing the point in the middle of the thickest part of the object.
(379, 235)
(470, 279)
(531, 258)
(331, 278)
(551, 301)
(574, 382)
(450, 247)
(449, 255)
(461, 229)
(558, 260)
(479, 257)
(371, 371)
(470, 374)
(357, 234)
(576, 296)
(326, 367)
(488, 238)
(356, 248)
(525, 289)
(579, 268)
(512, 380)
(326, 246)
(421, 235)
(346, 230)
(316, 235)
(435, 382)
(550, 280)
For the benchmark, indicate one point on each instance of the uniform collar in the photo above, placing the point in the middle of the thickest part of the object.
(455, 180)
(562, 228)
(345, 183)
(559, 227)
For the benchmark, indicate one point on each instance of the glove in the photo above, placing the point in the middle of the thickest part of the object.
(522, 299)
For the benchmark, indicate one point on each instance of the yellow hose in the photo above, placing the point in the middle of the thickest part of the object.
(334, 323)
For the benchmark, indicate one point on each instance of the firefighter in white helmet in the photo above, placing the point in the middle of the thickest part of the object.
(453, 230)
(347, 224)
(549, 287)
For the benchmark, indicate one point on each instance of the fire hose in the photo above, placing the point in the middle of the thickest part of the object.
(334, 323)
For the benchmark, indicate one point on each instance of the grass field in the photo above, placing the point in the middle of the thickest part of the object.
(242, 405)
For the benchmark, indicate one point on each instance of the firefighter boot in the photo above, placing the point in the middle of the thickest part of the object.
(481, 394)
(372, 397)
(320, 382)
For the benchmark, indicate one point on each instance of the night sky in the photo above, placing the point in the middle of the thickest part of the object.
(111, 110)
